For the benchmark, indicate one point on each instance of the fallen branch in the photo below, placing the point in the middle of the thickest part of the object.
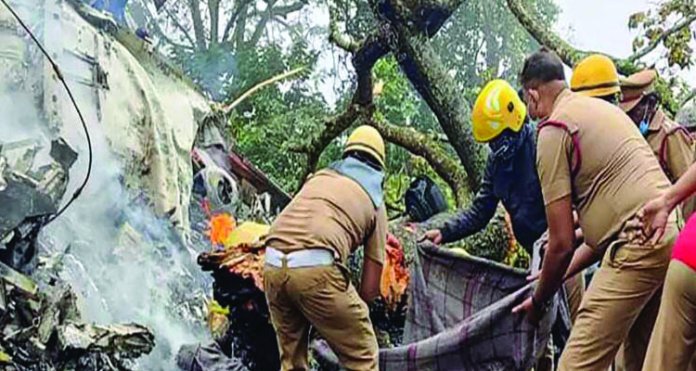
(227, 109)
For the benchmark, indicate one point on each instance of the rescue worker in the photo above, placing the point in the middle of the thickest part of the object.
(673, 340)
(510, 173)
(510, 176)
(305, 278)
(670, 142)
(596, 76)
(590, 156)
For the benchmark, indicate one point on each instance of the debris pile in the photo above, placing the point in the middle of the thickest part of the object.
(29, 194)
(42, 330)
(237, 270)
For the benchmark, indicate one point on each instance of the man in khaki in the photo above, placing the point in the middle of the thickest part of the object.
(670, 142)
(306, 282)
(591, 156)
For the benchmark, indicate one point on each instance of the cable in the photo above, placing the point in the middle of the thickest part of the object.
(79, 189)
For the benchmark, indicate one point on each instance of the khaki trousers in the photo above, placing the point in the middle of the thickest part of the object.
(323, 298)
(673, 340)
(617, 301)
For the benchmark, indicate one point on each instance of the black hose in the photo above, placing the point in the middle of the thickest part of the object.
(74, 103)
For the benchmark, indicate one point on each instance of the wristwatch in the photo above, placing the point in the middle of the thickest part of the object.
(541, 306)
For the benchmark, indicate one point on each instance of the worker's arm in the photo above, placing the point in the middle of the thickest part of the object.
(369, 282)
(583, 258)
(373, 261)
(559, 252)
(477, 216)
(554, 148)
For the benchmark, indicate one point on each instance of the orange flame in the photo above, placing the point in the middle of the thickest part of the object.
(219, 228)
(395, 275)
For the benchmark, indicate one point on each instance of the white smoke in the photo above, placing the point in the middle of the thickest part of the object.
(127, 265)
(124, 263)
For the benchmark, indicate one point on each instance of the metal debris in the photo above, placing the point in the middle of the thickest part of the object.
(42, 330)
(29, 193)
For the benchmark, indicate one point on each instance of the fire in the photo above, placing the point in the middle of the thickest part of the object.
(219, 228)
(395, 275)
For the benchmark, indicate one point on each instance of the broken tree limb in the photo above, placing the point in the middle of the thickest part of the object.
(371, 50)
(421, 145)
(228, 108)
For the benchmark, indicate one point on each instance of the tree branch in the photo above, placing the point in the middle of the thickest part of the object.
(333, 127)
(271, 12)
(239, 29)
(544, 35)
(179, 26)
(214, 12)
(198, 28)
(437, 157)
(228, 108)
(151, 21)
(429, 77)
(236, 11)
(343, 41)
(372, 49)
(686, 22)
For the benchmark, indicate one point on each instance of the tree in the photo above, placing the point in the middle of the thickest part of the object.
(669, 26)
(207, 37)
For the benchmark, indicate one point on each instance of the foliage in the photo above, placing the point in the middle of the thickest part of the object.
(655, 22)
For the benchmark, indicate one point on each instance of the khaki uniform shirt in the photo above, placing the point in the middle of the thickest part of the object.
(331, 212)
(618, 172)
(674, 149)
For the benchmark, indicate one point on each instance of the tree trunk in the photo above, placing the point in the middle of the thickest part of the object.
(214, 12)
(198, 27)
(429, 77)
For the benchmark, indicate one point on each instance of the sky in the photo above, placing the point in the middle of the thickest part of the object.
(602, 25)
(597, 25)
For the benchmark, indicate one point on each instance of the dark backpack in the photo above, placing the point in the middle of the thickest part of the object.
(424, 199)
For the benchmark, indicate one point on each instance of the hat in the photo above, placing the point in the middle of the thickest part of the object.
(634, 87)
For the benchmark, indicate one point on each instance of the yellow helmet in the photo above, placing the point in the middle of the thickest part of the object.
(366, 139)
(498, 107)
(595, 76)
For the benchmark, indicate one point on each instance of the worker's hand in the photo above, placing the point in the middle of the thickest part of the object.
(534, 276)
(533, 315)
(633, 231)
(433, 235)
(654, 216)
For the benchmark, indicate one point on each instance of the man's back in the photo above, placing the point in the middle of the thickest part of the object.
(616, 173)
(331, 211)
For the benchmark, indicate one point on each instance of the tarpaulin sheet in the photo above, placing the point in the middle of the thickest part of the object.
(460, 318)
